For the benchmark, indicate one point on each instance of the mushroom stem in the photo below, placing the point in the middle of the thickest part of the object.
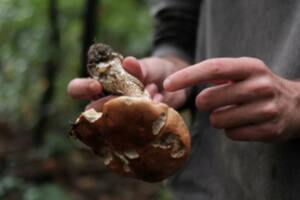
(105, 66)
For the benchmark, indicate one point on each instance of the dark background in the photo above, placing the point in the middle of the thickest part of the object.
(43, 45)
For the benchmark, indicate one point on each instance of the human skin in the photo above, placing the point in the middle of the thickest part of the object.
(247, 100)
(151, 71)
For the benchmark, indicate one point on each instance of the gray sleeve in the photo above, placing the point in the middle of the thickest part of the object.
(175, 28)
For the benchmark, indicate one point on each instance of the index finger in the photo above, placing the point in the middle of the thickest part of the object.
(84, 88)
(209, 71)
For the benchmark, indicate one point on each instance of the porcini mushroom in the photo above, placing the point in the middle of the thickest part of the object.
(134, 136)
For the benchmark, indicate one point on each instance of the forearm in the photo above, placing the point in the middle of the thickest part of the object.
(175, 30)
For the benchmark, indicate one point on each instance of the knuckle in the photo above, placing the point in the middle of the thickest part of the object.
(270, 110)
(217, 67)
(264, 88)
(256, 63)
(261, 68)
(271, 130)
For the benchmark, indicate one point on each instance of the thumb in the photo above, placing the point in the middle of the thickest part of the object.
(133, 66)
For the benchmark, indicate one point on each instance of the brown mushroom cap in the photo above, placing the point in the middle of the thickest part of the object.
(136, 137)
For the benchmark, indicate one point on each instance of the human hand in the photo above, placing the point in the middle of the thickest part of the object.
(249, 101)
(87, 88)
(151, 71)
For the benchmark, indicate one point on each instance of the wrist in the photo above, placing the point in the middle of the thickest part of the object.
(156, 69)
(295, 128)
(176, 62)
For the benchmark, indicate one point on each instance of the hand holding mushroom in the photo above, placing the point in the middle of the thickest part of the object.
(134, 136)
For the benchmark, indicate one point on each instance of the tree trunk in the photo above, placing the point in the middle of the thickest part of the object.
(90, 27)
(51, 68)
(89, 30)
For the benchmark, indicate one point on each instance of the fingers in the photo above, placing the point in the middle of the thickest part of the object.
(158, 97)
(98, 104)
(132, 65)
(84, 88)
(154, 93)
(152, 89)
(234, 93)
(264, 132)
(212, 70)
(241, 115)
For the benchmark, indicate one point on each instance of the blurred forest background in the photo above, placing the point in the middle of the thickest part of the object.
(43, 45)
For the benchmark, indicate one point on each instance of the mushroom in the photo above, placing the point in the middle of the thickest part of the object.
(133, 135)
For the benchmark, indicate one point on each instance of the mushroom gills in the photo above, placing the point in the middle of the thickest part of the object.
(159, 123)
(171, 141)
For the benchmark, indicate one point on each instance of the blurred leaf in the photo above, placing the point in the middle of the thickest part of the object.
(45, 192)
(126, 26)
(9, 184)
(55, 144)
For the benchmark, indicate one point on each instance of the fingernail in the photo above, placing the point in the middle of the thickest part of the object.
(167, 83)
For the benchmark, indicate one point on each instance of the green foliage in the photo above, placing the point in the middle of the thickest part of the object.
(24, 47)
(10, 184)
(55, 145)
(45, 192)
(21, 37)
(126, 25)
(18, 189)
(24, 51)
